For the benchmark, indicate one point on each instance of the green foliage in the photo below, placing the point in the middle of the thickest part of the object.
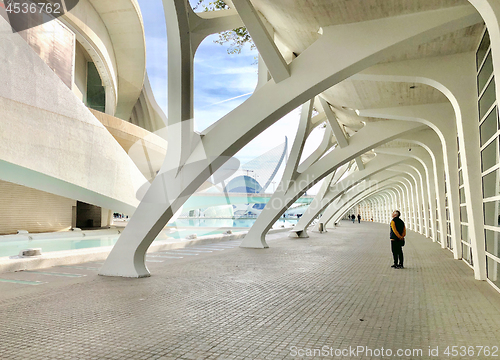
(237, 38)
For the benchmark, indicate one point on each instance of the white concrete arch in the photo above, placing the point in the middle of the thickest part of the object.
(420, 191)
(382, 212)
(385, 207)
(376, 209)
(425, 171)
(335, 213)
(427, 139)
(325, 198)
(402, 187)
(194, 158)
(336, 210)
(407, 189)
(455, 77)
(394, 206)
(294, 186)
(378, 177)
(428, 160)
(379, 209)
(425, 167)
(410, 185)
(441, 118)
(416, 198)
(394, 196)
(400, 202)
(345, 203)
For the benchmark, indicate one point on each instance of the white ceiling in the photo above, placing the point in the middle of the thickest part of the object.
(296, 24)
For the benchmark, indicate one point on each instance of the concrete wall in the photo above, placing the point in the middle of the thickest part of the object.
(50, 141)
(24, 208)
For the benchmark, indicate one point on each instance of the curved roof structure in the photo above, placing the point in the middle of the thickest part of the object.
(244, 184)
(112, 33)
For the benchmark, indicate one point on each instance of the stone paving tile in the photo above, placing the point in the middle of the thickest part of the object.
(335, 289)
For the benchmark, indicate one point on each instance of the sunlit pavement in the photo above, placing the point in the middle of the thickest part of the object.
(329, 292)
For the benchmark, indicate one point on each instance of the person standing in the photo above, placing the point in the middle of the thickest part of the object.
(353, 218)
(359, 219)
(398, 233)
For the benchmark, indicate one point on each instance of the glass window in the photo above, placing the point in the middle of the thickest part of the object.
(460, 178)
(464, 230)
(490, 184)
(493, 271)
(466, 253)
(492, 242)
(489, 156)
(487, 99)
(490, 210)
(484, 73)
(449, 243)
(483, 49)
(461, 192)
(463, 214)
(489, 126)
(96, 94)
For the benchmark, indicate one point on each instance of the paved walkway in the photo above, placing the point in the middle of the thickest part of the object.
(218, 301)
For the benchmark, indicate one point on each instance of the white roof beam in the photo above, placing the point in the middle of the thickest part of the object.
(360, 164)
(275, 63)
(332, 119)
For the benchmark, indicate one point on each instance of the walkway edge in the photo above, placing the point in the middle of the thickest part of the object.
(72, 257)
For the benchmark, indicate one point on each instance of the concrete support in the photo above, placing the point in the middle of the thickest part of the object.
(490, 12)
(194, 158)
(167, 193)
(421, 195)
(455, 77)
(325, 198)
(265, 44)
(294, 186)
(337, 209)
(423, 169)
(441, 118)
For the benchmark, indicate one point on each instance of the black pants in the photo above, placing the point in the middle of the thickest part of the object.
(397, 252)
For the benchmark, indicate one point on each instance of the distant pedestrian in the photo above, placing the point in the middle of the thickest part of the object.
(359, 219)
(398, 233)
(353, 218)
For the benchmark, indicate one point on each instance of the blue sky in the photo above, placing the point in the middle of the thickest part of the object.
(218, 77)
